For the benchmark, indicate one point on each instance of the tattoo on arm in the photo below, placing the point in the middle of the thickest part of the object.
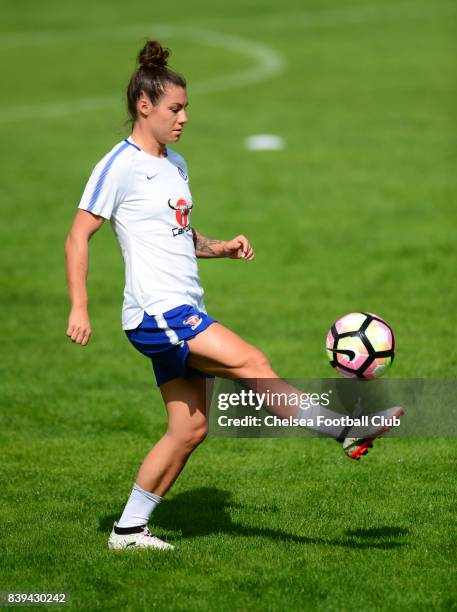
(206, 247)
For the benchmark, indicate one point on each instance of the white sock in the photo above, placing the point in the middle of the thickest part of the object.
(333, 431)
(139, 507)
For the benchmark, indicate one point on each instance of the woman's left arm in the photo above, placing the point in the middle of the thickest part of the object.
(237, 248)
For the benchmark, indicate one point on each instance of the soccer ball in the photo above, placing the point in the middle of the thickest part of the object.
(360, 345)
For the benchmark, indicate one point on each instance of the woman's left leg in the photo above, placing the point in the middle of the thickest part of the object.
(219, 351)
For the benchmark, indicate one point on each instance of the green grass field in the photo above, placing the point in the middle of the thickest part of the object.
(358, 212)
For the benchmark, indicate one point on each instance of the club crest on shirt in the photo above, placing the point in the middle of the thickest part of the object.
(183, 174)
(194, 321)
(182, 210)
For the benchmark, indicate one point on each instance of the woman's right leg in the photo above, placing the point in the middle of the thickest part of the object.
(185, 400)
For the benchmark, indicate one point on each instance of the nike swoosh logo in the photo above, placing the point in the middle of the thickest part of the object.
(151, 177)
(348, 353)
(130, 544)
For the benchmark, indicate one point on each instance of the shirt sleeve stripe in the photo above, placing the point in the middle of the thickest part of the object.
(104, 172)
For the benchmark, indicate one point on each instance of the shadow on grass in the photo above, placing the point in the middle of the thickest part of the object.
(204, 511)
(379, 532)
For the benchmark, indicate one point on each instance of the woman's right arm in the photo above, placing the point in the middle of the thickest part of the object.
(77, 256)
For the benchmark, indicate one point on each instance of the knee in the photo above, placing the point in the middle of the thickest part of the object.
(193, 436)
(256, 364)
(198, 434)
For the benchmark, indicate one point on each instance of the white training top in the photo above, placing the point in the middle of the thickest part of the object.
(149, 204)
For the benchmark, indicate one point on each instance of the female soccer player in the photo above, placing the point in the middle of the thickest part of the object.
(142, 186)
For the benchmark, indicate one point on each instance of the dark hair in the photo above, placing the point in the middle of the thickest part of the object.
(151, 77)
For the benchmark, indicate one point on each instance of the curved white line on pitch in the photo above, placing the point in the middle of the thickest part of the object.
(268, 64)
(349, 15)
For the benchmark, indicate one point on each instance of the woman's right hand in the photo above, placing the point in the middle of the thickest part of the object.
(79, 326)
(77, 254)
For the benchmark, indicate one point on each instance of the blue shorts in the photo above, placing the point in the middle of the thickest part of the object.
(163, 338)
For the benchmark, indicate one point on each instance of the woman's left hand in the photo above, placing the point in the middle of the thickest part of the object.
(239, 248)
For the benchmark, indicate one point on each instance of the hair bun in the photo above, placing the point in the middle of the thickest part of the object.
(153, 56)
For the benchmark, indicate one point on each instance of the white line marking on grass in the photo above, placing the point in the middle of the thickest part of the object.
(325, 17)
(49, 38)
(268, 63)
(341, 17)
(264, 142)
